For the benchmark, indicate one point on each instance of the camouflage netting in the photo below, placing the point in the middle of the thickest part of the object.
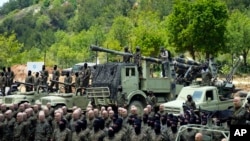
(108, 75)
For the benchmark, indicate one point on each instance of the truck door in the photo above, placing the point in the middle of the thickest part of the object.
(211, 100)
(130, 79)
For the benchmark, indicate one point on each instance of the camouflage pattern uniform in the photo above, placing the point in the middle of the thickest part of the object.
(84, 135)
(115, 138)
(2, 128)
(2, 83)
(84, 78)
(64, 135)
(239, 116)
(26, 125)
(29, 79)
(19, 132)
(43, 131)
(140, 137)
(8, 131)
(67, 85)
(188, 135)
(96, 136)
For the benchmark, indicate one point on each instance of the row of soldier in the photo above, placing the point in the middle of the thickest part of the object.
(40, 80)
(34, 123)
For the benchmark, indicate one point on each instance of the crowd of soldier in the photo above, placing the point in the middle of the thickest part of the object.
(25, 122)
(6, 80)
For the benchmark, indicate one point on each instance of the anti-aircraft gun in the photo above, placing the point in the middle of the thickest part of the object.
(107, 77)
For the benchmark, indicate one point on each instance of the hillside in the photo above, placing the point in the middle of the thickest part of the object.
(60, 32)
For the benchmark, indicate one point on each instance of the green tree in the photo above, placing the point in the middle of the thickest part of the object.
(198, 26)
(238, 34)
(9, 49)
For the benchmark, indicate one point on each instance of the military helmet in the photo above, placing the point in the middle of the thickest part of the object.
(137, 48)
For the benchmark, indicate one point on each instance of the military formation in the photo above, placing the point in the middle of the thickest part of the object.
(27, 122)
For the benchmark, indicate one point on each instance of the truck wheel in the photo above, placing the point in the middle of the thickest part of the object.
(139, 106)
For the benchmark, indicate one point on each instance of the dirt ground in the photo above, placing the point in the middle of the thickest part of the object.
(20, 72)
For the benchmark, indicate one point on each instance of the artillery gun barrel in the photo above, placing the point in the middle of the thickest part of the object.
(101, 49)
(186, 61)
(62, 83)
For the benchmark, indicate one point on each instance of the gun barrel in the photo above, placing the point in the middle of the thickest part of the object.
(102, 49)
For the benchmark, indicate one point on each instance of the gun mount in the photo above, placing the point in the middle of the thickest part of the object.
(101, 49)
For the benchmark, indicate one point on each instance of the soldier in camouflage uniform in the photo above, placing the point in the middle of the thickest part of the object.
(173, 132)
(66, 115)
(138, 135)
(9, 80)
(2, 83)
(26, 126)
(29, 79)
(137, 60)
(85, 76)
(9, 128)
(19, 128)
(2, 126)
(43, 130)
(96, 134)
(77, 83)
(90, 119)
(44, 76)
(77, 130)
(55, 77)
(37, 81)
(239, 113)
(84, 135)
(62, 133)
(190, 103)
(152, 101)
(3, 108)
(120, 97)
(126, 58)
(75, 118)
(68, 83)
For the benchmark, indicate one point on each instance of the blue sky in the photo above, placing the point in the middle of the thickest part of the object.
(2, 2)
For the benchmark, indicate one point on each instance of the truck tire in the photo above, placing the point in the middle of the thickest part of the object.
(139, 106)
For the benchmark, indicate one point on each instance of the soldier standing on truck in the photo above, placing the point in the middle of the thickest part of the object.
(44, 75)
(77, 83)
(84, 79)
(67, 85)
(206, 75)
(29, 79)
(36, 81)
(9, 80)
(2, 83)
(137, 59)
(55, 77)
(165, 57)
(126, 58)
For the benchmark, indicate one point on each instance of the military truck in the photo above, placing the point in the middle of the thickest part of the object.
(18, 97)
(107, 77)
(205, 97)
(210, 133)
(70, 100)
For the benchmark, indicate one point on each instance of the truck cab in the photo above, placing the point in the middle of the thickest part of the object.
(205, 97)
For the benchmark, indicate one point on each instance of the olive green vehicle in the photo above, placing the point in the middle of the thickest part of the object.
(59, 99)
(210, 132)
(19, 97)
(65, 99)
(107, 77)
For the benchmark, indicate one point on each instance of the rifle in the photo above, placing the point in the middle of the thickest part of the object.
(73, 85)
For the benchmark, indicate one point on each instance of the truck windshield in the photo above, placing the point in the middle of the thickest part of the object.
(76, 68)
(197, 95)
